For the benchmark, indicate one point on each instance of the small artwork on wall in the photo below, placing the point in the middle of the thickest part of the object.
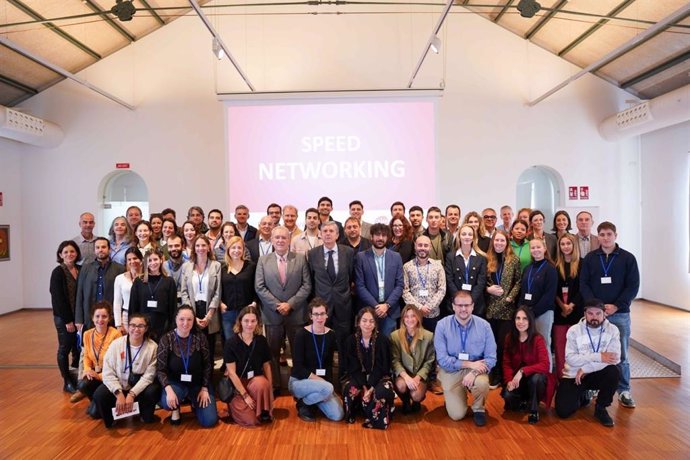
(4, 242)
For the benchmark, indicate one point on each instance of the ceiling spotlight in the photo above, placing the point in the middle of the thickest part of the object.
(124, 10)
(218, 50)
(436, 44)
(528, 8)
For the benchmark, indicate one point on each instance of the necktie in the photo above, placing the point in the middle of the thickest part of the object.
(330, 266)
(282, 269)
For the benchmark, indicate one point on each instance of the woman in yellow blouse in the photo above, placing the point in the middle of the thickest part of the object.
(412, 359)
(95, 343)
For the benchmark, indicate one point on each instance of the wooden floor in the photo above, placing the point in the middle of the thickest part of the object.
(37, 421)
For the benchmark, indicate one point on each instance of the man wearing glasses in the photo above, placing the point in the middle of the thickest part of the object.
(466, 353)
(489, 217)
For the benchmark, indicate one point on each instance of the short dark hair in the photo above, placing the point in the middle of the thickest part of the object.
(415, 208)
(217, 211)
(314, 210)
(398, 203)
(169, 211)
(274, 205)
(156, 215)
(434, 209)
(134, 207)
(102, 238)
(102, 305)
(606, 225)
(380, 229)
(317, 302)
(66, 243)
(324, 198)
(133, 250)
(453, 206)
(354, 202)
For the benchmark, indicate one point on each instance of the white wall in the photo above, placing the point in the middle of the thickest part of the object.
(486, 135)
(11, 285)
(665, 203)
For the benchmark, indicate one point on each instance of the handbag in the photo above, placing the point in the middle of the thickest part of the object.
(226, 389)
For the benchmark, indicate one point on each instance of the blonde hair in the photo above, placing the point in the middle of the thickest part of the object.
(145, 274)
(475, 239)
(574, 258)
(231, 242)
(492, 256)
(402, 332)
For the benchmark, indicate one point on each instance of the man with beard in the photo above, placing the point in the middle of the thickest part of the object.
(174, 263)
(96, 282)
(416, 218)
(425, 283)
(592, 351)
(325, 207)
(435, 234)
(353, 236)
(452, 225)
(215, 219)
(379, 279)
(196, 216)
(310, 237)
(274, 211)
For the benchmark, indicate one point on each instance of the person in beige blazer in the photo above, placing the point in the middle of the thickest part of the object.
(412, 358)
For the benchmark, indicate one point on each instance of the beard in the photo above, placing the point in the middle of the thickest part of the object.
(175, 254)
(595, 323)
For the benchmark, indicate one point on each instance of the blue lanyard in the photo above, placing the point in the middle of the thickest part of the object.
(464, 332)
(601, 332)
(323, 347)
(201, 279)
(499, 273)
(185, 358)
(153, 292)
(422, 281)
(467, 268)
(529, 276)
(608, 266)
(129, 354)
(93, 345)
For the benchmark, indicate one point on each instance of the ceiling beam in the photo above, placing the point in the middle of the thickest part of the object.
(546, 18)
(155, 15)
(600, 23)
(105, 15)
(57, 69)
(26, 10)
(18, 85)
(503, 11)
(678, 15)
(656, 70)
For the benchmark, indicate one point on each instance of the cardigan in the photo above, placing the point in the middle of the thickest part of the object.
(63, 306)
(531, 358)
(420, 361)
(115, 377)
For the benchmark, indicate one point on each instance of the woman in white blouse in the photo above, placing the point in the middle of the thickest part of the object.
(123, 286)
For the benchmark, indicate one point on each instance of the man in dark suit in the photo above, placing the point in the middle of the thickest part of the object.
(261, 245)
(379, 279)
(283, 285)
(241, 216)
(331, 268)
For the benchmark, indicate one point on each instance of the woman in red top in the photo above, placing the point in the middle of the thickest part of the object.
(525, 366)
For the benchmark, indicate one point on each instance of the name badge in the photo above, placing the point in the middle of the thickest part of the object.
(528, 296)
(605, 280)
(564, 289)
(463, 356)
(186, 377)
(423, 292)
(382, 284)
(320, 372)
(466, 287)
(250, 374)
(98, 369)
(152, 304)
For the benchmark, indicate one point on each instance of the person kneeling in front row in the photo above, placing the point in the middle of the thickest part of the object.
(466, 353)
(311, 381)
(592, 351)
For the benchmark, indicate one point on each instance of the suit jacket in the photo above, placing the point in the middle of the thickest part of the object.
(86, 290)
(336, 293)
(593, 243)
(300, 244)
(271, 291)
(255, 249)
(213, 296)
(455, 278)
(367, 281)
(418, 362)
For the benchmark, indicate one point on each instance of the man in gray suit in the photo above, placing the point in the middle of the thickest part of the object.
(283, 286)
(331, 267)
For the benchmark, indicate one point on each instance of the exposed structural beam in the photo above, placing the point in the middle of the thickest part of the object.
(633, 43)
(106, 17)
(503, 11)
(18, 85)
(546, 18)
(434, 32)
(600, 23)
(57, 69)
(30, 12)
(155, 15)
(656, 70)
(215, 35)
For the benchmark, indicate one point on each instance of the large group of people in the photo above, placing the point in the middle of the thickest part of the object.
(459, 308)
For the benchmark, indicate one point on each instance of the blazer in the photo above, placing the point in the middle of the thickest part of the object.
(86, 290)
(213, 297)
(366, 281)
(336, 293)
(251, 233)
(271, 291)
(255, 249)
(593, 243)
(455, 278)
(419, 362)
(405, 249)
(300, 244)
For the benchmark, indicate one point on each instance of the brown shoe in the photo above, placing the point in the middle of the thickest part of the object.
(436, 387)
(77, 396)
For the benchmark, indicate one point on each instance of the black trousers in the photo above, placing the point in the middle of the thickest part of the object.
(500, 328)
(570, 394)
(105, 401)
(275, 336)
(88, 387)
(67, 343)
(531, 391)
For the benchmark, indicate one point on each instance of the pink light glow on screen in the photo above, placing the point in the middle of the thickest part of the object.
(374, 152)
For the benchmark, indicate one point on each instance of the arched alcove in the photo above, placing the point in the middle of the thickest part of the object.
(541, 187)
(118, 191)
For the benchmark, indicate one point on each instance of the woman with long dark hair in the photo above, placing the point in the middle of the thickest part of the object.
(123, 287)
(401, 238)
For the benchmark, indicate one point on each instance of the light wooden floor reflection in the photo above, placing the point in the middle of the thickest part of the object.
(37, 421)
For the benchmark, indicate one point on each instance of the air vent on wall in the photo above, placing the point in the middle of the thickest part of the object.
(634, 116)
(24, 123)
(29, 129)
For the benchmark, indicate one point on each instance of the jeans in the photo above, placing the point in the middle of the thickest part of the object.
(67, 343)
(544, 323)
(386, 325)
(622, 322)
(227, 321)
(207, 416)
(319, 393)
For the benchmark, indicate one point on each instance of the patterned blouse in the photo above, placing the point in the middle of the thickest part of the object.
(498, 307)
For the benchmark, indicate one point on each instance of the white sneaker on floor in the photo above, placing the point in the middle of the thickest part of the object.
(626, 399)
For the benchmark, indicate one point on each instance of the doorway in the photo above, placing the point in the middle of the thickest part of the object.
(118, 191)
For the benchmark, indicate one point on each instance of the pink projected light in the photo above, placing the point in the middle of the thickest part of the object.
(375, 152)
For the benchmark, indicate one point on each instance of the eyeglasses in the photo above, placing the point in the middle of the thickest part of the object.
(137, 326)
(489, 217)
(319, 314)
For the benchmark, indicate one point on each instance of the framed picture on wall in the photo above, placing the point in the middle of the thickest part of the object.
(4, 243)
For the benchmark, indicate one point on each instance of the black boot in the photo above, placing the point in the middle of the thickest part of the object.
(304, 412)
(69, 386)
